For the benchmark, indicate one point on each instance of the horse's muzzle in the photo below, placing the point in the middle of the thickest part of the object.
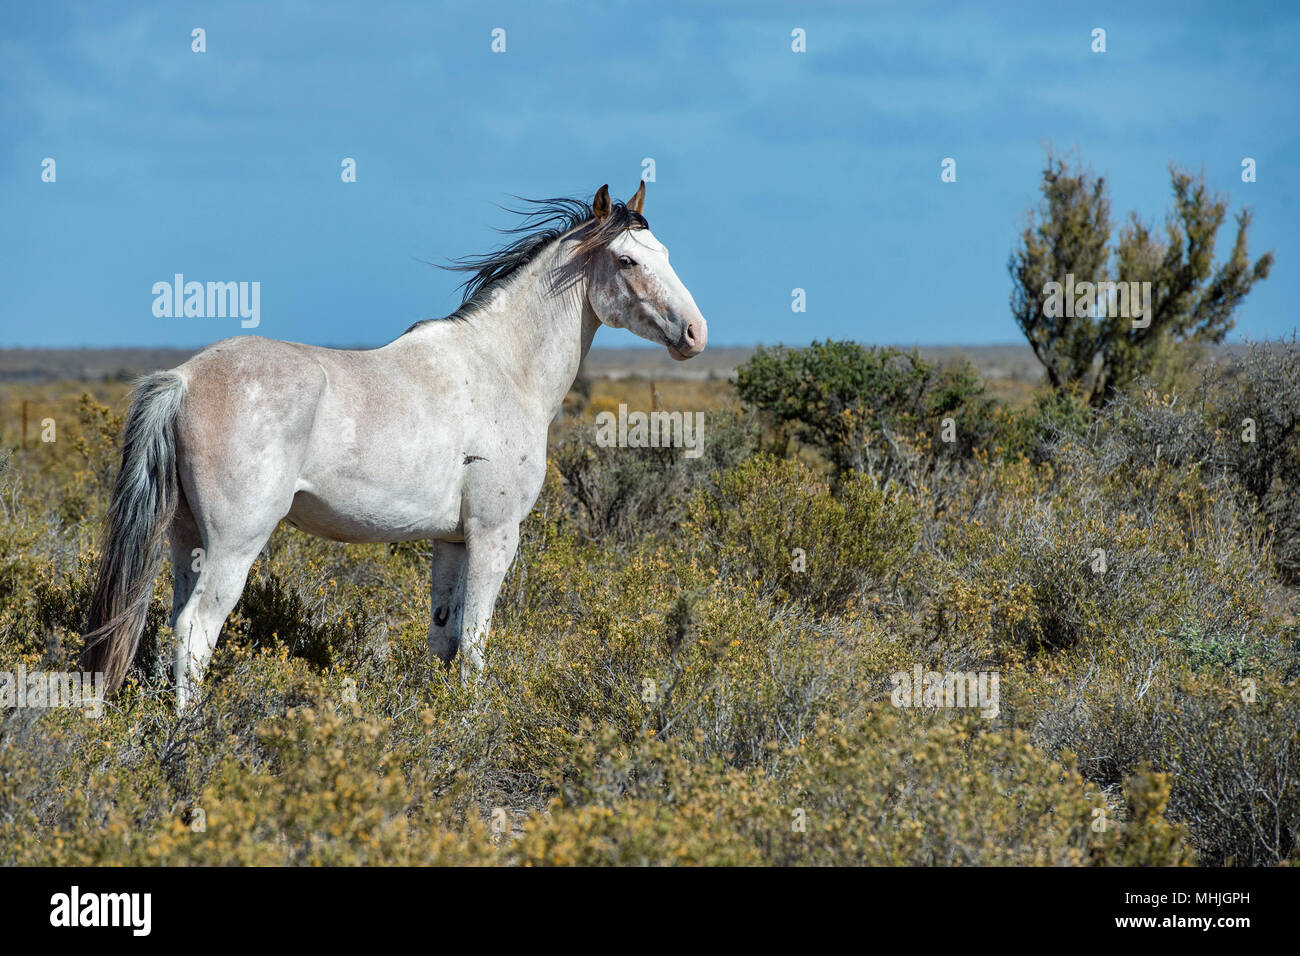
(694, 337)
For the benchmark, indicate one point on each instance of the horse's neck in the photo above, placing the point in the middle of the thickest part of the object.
(540, 327)
(536, 330)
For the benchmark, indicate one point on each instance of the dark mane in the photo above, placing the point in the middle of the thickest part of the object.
(543, 224)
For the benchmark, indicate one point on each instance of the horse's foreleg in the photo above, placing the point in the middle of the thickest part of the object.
(489, 553)
(446, 599)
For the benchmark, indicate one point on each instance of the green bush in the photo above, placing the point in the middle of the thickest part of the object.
(775, 521)
(853, 404)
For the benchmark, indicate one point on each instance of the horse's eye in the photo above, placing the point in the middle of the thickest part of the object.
(626, 261)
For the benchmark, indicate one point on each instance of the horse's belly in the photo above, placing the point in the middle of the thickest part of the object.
(360, 517)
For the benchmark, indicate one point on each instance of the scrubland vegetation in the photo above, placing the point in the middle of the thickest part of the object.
(691, 658)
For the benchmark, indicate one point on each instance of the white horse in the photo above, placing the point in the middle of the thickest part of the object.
(439, 435)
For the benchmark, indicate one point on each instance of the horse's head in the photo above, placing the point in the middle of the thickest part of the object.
(632, 286)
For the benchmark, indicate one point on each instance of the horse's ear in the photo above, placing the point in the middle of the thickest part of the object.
(637, 202)
(600, 205)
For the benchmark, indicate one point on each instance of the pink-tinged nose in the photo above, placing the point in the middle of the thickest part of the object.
(696, 336)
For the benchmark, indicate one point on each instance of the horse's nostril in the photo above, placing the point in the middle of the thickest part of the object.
(692, 333)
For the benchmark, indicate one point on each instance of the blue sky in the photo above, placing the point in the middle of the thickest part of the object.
(774, 170)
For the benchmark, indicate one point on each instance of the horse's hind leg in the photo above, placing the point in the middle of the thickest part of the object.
(187, 556)
(224, 569)
(447, 597)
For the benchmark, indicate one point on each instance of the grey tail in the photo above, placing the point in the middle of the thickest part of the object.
(144, 501)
